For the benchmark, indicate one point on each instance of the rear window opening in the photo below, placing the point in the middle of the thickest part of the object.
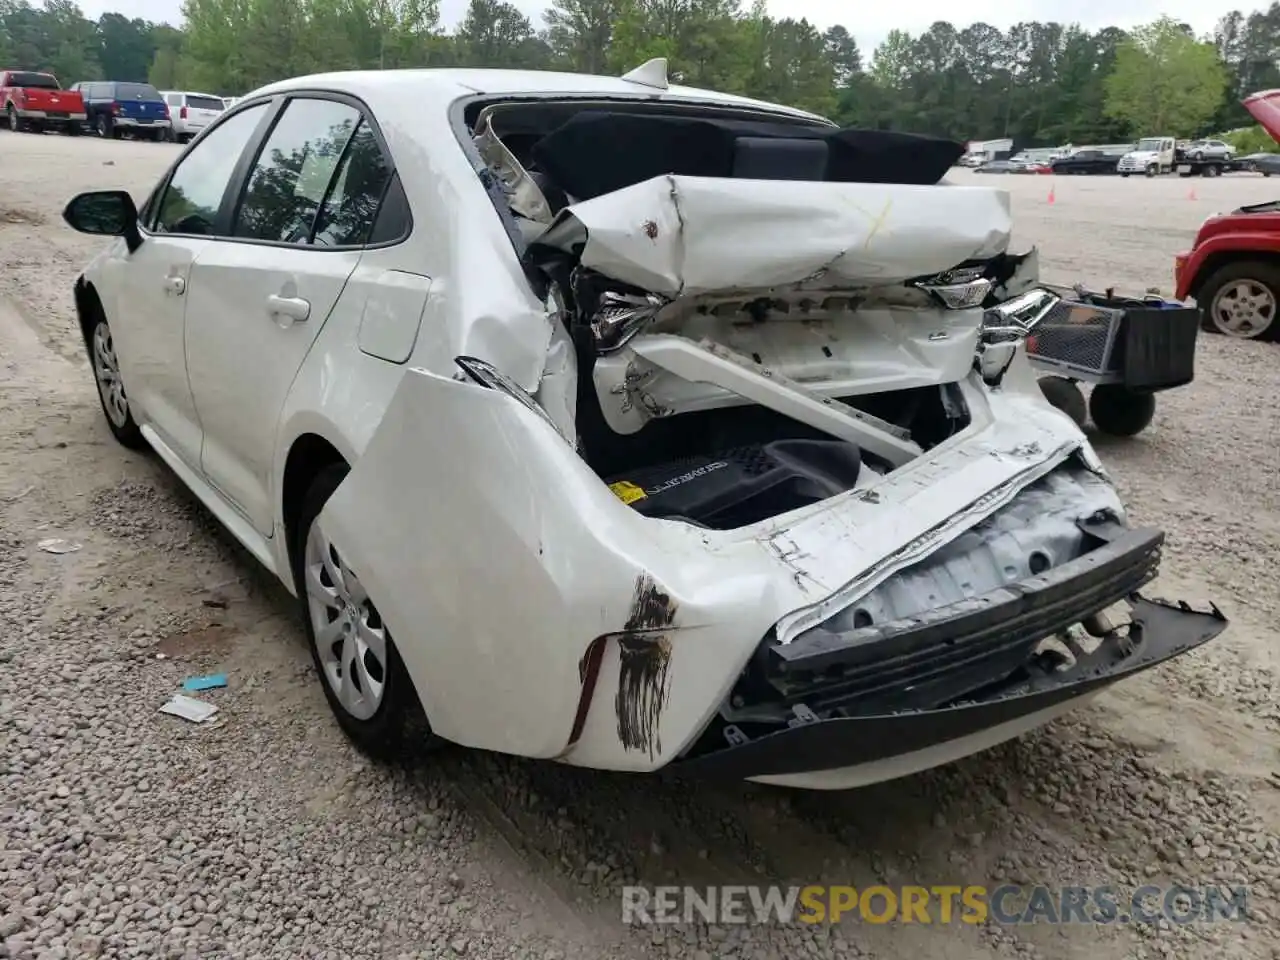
(550, 154)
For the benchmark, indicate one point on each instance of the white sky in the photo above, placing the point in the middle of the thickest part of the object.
(868, 23)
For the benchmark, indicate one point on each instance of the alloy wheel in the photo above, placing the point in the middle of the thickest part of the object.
(1243, 308)
(106, 370)
(350, 638)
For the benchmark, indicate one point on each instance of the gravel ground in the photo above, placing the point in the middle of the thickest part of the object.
(130, 834)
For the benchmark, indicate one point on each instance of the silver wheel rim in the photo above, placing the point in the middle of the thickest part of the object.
(13, 119)
(1243, 308)
(106, 371)
(350, 638)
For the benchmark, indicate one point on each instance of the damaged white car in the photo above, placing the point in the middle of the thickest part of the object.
(627, 425)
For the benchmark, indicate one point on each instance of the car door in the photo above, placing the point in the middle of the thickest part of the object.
(258, 301)
(147, 312)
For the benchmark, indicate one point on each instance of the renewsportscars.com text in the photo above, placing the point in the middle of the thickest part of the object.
(940, 904)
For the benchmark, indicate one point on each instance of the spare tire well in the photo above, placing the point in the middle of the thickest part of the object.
(309, 455)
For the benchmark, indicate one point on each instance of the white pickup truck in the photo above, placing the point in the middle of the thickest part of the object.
(1151, 156)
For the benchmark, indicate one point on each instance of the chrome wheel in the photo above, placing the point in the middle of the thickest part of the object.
(106, 370)
(350, 638)
(1243, 308)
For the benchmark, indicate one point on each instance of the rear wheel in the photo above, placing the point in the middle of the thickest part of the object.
(364, 679)
(73, 129)
(1120, 412)
(1241, 300)
(103, 126)
(15, 122)
(1066, 395)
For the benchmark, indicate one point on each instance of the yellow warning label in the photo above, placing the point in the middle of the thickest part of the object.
(626, 491)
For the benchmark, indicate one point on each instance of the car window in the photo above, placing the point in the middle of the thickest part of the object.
(173, 99)
(291, 178)
(204, 103)
(33, 80)
(136, 91)
(351, 207)
(194, 194)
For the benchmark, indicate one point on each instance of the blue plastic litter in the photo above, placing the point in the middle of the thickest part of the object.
(205, 683)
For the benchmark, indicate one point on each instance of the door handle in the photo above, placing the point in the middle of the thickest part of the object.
(175, 285)
(291, 308)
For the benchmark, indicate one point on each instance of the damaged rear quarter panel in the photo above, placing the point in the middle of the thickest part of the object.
(496, 557)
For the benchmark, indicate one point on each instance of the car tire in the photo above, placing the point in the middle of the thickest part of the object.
(1212, 170)
(1124, 175)
(1198, 155)
(1252, 278)
(111, 392)
(1066, 395)
(387, 723)
(103, 126)
(1152, 170)
(73, 129)
(14, 121)
(1120, 412)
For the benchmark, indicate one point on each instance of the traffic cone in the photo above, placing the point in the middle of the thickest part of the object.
(1191, 194)
(1052, 196)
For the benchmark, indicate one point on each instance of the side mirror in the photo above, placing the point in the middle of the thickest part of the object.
(107, 213)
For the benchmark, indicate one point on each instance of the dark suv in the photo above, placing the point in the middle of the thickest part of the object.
(115, 106)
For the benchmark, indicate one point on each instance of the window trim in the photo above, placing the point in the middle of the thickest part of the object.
(249, 157)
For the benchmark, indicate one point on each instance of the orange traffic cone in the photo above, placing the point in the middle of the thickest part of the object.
(1191, 194)
(1052, 197)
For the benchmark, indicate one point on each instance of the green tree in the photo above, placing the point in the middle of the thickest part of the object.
(1165, 81)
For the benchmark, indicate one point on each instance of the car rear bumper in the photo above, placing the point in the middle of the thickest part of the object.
(52, 116)
(140, 124)
(913, 694)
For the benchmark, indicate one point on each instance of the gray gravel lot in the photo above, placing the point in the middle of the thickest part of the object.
(124, 833)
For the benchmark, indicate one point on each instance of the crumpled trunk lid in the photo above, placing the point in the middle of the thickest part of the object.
(678, 236)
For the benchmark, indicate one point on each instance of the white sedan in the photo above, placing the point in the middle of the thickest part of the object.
(623, 424)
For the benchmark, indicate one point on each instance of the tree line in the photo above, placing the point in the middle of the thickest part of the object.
(1039, 83)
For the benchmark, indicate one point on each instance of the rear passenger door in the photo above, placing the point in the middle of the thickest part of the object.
(259, 297)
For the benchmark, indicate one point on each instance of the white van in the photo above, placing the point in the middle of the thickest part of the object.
(191, 112)
(1150, 156)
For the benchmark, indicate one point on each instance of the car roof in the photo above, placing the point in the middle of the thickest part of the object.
(452, 83)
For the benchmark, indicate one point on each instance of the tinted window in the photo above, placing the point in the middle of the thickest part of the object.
(204, 103)
(192, 198)
(291, 178)
(349, 211)
(42, 80)
(136, 91)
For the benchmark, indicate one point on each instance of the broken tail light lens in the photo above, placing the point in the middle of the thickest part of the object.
(620, 316)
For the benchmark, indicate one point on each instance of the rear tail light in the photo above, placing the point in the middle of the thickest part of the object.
(182, 114)
(115, 109)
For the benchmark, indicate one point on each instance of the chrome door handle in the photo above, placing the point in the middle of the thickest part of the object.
(290, 308)
(175, 285)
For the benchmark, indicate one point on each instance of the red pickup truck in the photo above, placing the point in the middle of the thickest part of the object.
(34, 102)
(1233, 266)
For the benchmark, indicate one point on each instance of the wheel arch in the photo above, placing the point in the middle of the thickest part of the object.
(1221, 258)
(89, 308)
(309, 453)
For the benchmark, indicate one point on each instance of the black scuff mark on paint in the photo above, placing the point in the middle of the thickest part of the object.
(644, 677)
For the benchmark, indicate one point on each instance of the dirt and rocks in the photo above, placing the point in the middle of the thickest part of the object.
(125, 833)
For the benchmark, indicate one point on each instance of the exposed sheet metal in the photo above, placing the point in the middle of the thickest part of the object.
(683, 236)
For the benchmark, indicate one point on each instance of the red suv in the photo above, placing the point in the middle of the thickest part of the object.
(1233, 267)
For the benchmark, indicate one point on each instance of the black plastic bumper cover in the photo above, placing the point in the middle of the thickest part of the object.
(1159, 631)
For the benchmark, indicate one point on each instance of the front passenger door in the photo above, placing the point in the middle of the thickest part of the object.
(259, 299)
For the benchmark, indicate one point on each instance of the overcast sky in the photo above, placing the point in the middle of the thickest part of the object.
(869, 23)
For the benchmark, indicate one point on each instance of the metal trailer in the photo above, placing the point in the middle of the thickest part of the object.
(1208, 168)
(1128, 350)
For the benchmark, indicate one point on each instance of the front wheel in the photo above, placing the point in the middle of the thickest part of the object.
(115, 402)
(364, 679)
(1241, 299)
(1120, 412)
(1152, 170)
